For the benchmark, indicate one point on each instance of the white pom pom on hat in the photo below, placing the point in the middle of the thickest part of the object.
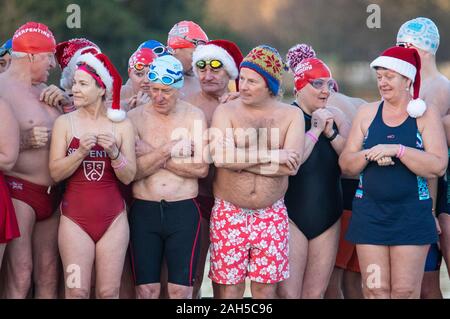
(405, 61)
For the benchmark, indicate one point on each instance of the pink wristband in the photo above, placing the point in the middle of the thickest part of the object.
(123, 163)
(69, 108)
(312, 136)
(401, 151)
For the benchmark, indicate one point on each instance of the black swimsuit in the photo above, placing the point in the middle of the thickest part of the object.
(314, 195)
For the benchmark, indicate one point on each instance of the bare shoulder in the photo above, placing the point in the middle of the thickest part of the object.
(125, 125)
(135, 113)
(191, 110)
(63, 121)
(192, 98)
(368, 109)
(288, 109)
(431, 114)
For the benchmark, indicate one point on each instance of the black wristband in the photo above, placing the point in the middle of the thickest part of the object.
(118, 154)
(332, 137)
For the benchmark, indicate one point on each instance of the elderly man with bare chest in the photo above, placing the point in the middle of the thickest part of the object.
(30, 184)
(164, 218)
(256, 143)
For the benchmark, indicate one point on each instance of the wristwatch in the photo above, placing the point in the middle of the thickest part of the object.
(332, 137)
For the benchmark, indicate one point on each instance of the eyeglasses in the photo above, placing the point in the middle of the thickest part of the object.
(404, 45)
(165, 79)
(139, 66)
(159, 50)
(4, 51)
(195, 42)
(318, 84)
(214, 64)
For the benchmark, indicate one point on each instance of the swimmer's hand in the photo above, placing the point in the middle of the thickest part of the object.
(382, 150)
(438, 226)
(385, 161)
(140, 98)
(87, 142)
(320, 118)
(183, 148)
(36, 137)
(290, 158)
(54, 96)
(227, 97)
(109, 144)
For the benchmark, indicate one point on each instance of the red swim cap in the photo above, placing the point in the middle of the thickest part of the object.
(186, 34)
(33, 38)
(144, 56)
(310, 69)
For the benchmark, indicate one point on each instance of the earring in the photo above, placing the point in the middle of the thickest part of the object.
(407, 89)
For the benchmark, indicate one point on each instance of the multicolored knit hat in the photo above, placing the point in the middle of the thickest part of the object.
(267, 62)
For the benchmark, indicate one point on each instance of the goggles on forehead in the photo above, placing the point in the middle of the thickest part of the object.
(165, 79)
(214, 64)
(161, 50)
(139, 66)
(318, 84)
(4, 51)
(404, 45)
(195, 42)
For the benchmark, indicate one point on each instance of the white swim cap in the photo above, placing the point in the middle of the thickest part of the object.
(420, 32)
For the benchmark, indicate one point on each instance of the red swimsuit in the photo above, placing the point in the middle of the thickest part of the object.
(92, 199)
(8, 222)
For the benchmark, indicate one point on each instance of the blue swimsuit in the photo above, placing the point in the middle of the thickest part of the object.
(392, 205)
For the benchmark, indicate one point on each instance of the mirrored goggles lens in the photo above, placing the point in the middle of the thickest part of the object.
(214, 64)
(140, 66)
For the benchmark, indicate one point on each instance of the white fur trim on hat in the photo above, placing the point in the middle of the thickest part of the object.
(100, 68)
(212, 51)
(68, 73)
(116, 115)
(400, 66)
(416, 108)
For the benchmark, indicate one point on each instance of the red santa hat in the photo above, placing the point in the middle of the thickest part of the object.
(405, 61)
(108, 77)
(67, 54)
(225, 51)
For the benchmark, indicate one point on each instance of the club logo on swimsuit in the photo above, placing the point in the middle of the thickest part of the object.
(93, 170)
(16, 186)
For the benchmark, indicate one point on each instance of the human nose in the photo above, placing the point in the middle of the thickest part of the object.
(52, 61)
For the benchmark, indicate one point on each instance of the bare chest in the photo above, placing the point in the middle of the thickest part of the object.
(30, 112)
(265, 132)
(208, 108)
(158, 133)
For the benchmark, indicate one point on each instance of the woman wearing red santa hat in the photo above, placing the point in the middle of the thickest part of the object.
(395, 145)
(93, 148)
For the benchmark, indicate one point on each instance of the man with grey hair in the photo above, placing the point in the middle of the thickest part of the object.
(34, 197)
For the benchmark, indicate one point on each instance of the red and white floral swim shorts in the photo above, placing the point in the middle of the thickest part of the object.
(249, 243)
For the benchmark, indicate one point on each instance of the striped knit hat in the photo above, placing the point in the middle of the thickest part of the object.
(267, 62)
